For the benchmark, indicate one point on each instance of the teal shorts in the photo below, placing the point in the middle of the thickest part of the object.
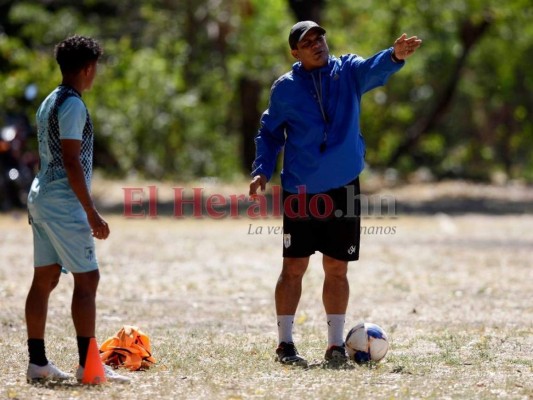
(61, 232)
(67, 243)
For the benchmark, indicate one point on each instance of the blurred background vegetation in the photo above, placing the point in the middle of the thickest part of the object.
(183, 83)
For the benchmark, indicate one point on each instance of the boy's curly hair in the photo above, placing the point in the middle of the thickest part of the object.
(76, 52)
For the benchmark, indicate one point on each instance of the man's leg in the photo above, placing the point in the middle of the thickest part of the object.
(289, 285)
(84, 309)
(336, 291)
(335, 296)
(287, 296)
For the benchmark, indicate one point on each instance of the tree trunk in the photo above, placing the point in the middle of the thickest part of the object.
(470, 35)
(250, 89)
(249, 92)
(307, 9)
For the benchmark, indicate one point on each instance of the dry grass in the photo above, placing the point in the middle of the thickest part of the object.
(454, 293)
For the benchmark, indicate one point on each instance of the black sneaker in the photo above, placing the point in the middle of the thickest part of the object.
(336, 356)
(286, 353)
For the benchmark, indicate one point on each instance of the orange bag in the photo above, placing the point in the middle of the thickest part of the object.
(129, 348)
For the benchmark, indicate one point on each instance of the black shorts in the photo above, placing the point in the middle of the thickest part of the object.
(328, 222)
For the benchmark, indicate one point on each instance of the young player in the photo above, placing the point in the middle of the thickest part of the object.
(62, 214)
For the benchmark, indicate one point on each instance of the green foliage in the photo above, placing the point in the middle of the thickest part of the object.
(486, 128)
(166, 103)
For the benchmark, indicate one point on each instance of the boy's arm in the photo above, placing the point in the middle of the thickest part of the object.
(70, 149)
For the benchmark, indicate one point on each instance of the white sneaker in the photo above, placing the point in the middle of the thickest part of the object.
(110, 375)
(47, 372)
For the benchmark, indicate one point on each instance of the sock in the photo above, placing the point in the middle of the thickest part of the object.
(37, 352)
(285, 323)
(83, 347)
(335, 329)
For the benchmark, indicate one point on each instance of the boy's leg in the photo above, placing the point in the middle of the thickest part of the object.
(72, 243)
(84, 302)
(84, 310)
(45, 279)
(84, 318)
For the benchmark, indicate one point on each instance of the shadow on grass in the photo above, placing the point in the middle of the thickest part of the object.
(454, 199)
(373, 206)
(60, 385)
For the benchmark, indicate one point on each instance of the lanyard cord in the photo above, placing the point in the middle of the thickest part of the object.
(318, 91)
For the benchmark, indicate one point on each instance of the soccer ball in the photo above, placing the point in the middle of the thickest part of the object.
(366, 342)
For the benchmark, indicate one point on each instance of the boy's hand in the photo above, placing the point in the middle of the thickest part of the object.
(99, 227)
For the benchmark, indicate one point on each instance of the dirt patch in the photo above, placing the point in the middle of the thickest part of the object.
(452, 291)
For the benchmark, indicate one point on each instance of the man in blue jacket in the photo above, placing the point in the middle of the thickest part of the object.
(314, 116)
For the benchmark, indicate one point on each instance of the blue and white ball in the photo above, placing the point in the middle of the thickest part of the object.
(366, 342)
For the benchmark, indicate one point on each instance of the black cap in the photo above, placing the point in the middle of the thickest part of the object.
(299, 30)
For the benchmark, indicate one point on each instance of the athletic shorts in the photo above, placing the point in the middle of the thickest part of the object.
(67, 243)
(328, 222)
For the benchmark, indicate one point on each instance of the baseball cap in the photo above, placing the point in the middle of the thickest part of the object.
(299, 30)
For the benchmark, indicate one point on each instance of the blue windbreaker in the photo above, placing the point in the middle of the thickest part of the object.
(294, 121)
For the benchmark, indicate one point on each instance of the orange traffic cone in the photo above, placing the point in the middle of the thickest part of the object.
(93, 373)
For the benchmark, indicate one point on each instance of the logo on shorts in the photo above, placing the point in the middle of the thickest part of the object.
(352, 249)
(287, 240)
(89, 253)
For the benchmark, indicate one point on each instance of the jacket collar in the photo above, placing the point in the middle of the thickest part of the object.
(298, 68)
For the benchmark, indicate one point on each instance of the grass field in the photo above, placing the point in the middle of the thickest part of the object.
(455, 294)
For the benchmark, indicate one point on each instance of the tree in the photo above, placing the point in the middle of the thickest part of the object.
(305, 10)
(470, 33)
(183, 83)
